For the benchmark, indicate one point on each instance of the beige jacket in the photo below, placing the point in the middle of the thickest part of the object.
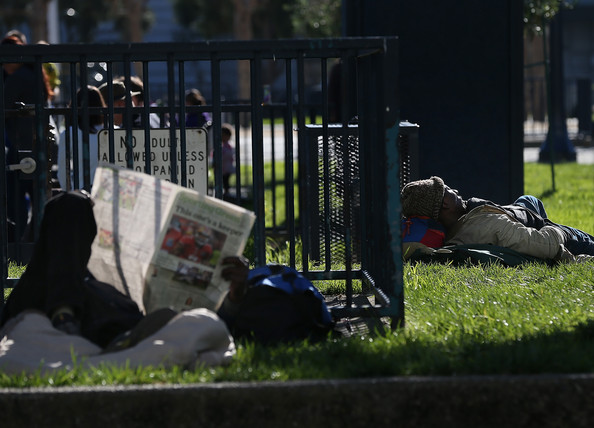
(490, 225)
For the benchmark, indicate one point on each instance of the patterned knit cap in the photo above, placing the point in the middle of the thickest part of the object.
(423, 198)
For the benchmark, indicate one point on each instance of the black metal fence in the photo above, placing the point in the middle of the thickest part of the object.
(277, 172)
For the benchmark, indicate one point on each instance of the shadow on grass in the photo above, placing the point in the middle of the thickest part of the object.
(546, 194)
(384, 355)
(549, 352)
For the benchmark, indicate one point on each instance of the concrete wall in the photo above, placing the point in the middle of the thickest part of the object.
(456, 401)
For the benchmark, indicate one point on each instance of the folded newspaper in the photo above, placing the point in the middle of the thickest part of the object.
(163, 244)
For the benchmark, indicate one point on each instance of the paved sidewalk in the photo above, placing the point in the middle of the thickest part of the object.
(585, 151)
(585, 155)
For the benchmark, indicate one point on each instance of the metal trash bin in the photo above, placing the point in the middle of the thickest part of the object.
(334, 189)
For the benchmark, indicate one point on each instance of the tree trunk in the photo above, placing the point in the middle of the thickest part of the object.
(38, 21)
(134, 11)
(133, 33)
(242, 27)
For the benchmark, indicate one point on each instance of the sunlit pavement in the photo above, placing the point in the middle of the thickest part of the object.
(534, 135)
(584, 155)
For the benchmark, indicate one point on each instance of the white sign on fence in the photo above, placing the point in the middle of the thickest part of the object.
(160, 152)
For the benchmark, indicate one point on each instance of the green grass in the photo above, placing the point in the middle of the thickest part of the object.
(572, 203)
(471, 320)
(275, 190)
(14, 271)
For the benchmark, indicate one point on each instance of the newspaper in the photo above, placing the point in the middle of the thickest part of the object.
(163, 244)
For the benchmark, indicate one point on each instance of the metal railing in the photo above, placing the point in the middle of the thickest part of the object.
(272, 173)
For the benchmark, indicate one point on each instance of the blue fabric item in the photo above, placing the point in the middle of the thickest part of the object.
(579, 242)
(290, 281)
(532, 203)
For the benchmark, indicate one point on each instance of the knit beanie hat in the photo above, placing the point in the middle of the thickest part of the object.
(423, 198)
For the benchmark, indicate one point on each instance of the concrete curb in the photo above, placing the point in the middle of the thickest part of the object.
(473, 401)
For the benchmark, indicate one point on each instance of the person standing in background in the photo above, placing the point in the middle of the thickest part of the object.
(96, 123)
(21, 89)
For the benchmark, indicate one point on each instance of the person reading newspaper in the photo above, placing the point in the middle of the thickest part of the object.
(142, 245)
(58, 282)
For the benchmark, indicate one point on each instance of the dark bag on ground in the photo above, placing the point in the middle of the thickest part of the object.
(281, 305)
(107, 313)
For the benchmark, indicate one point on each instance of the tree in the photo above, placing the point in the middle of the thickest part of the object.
(205, 17)
(272, 20)
(537, 13)
(82, 17)
(227, 16)
(316, 18)
(132, 19)
(38, 21)
(249, 19)
(13, 13)
(242, 26)
(33, 12)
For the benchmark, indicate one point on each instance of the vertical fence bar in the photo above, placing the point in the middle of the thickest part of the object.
(379, 127)
(272, 167)
(326, 179)
(86, 155)
(304, 162)
(373, 154)
(110, 112)
(289, 176)
(215, 70)
(348, 183)
(128, 117)
(146, 114)
(346, 210)
(390, 111)
(3, 202)
(172, 116)
(40, 186)
(258, 157)
(365, 228)
(237, 149)
(182, 122)
(73, 172)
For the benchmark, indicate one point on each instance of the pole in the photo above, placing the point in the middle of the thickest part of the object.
(549, 103)
(557, 144)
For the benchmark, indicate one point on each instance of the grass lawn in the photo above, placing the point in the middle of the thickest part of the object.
(472, 320)
(572, 203)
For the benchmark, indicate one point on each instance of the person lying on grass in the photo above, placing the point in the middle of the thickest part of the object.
(522, 226)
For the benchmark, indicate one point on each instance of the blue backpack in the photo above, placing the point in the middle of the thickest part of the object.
(281, 305)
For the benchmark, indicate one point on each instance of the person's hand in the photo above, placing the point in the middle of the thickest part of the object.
(236, 271)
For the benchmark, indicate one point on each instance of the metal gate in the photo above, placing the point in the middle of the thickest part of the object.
(273, 174)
